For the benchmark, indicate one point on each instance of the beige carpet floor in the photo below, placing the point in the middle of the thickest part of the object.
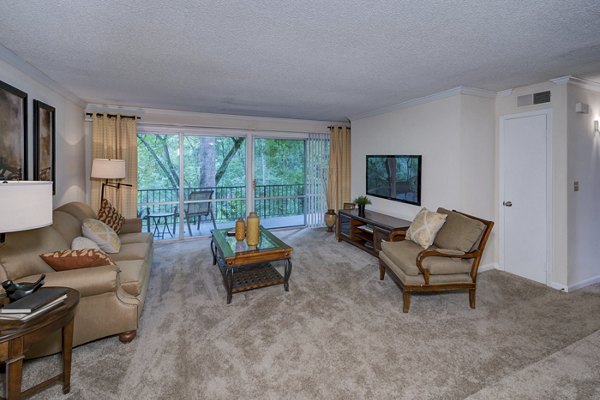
(339, 333)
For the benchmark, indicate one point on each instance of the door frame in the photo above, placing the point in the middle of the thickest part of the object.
(549, 211)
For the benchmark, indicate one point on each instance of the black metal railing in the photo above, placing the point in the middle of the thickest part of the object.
(288, 201)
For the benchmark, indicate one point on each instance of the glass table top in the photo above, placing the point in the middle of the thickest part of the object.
(230, 246)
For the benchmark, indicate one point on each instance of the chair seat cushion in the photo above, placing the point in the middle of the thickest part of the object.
(419, 280)
(404, 255)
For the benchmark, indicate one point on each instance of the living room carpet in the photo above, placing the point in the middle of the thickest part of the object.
(339, 333)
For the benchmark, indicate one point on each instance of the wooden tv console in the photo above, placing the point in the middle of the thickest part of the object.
(367, 232)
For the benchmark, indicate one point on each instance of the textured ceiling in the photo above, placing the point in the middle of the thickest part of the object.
(309, 59)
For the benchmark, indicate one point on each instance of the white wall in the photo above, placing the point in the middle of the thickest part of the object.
(455, 136)
(70, 172)
(584, 205)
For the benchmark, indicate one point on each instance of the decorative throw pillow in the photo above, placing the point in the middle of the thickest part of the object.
(81, 242)
(102, 234)
(73, 259)
(110, 216)
(424, 227)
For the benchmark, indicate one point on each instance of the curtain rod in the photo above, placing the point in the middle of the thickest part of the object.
(114, 115)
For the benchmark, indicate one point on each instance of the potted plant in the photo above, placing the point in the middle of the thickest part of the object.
(362, 201)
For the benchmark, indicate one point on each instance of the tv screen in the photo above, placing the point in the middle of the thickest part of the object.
(395, 178)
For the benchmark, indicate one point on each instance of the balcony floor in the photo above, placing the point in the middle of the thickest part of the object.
(206, 226)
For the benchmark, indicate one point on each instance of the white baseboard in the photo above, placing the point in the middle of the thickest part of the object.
(584, 283)
(558, 286)
(487, 267)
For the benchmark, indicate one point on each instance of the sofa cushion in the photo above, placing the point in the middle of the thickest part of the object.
(81, 211)
(102, 234)
(20, 254)
(132, 276)
(81, 242)
(132, 251)
(73, 259)
(138, 237)
(67, 225)
(110, 216)
(459, 232)
(425, 227)
(404, 254)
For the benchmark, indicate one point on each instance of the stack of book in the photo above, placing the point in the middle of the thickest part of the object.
(34, 304)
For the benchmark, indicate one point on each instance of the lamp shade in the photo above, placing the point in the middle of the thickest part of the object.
(105, 168)
(25, 205)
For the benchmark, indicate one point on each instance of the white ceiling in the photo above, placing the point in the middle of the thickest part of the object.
(309, 59)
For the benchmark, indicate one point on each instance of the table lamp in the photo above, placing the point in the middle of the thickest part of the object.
(24, 205)
(106, 168)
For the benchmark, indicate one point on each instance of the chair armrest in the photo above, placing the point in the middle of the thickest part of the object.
(441, 253)
(131, 225)
(397, 236)
(88, 281)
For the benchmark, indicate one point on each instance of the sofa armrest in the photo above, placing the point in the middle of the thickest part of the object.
(88, 281)
(131, 225)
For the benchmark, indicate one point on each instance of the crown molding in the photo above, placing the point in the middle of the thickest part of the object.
(28, 69)
(466, 90)
(582, 82)
(504, 93)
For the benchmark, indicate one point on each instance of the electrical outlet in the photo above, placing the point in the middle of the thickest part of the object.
(576, 186)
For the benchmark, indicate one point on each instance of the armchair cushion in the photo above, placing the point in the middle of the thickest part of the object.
(419, 280)
(459, 232)
(403, 254)
(425, 227)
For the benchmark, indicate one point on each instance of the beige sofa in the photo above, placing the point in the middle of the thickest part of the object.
(112, 297)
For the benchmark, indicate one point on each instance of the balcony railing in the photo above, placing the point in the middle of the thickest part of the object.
(228, 202)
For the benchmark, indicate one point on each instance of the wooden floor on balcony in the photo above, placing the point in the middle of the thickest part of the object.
(207, 226)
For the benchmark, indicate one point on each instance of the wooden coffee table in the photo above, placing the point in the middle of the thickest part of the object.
(245, 268)
(16, 337)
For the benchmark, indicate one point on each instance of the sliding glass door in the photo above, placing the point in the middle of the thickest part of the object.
(279, 181)
(190, 182)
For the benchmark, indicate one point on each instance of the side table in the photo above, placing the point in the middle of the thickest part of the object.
(16, 337)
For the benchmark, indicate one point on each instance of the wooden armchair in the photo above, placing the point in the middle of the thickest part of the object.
(451, 263)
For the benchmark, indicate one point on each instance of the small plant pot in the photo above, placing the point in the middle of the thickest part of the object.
(361, 210)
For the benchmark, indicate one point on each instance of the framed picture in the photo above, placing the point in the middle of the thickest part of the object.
(44, 143)
(13, 133)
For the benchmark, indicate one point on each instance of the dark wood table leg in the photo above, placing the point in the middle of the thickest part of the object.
(229, 279)
(286, 275)
(14, 369)
(67, 351)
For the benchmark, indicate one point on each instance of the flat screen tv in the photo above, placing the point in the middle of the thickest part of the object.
(395, 178)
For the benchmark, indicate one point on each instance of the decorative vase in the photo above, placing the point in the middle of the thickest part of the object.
(330, 218)
(253, 225)
(240, 230)
(361, 210)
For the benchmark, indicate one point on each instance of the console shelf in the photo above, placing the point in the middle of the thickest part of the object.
(367, 232)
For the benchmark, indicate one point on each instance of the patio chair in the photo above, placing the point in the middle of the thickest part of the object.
(200, 209)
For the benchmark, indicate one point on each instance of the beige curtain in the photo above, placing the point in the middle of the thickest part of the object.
(116, 137)
(338, 186)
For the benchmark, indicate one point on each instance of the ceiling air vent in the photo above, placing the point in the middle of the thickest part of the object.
(536, 98)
